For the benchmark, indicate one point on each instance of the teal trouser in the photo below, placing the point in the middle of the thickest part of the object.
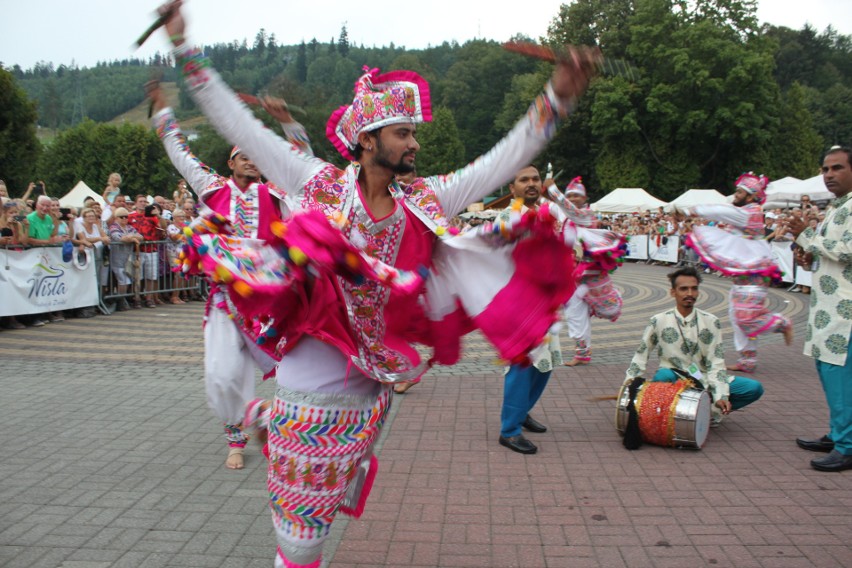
(743, 391)
(522, 387)
(837, 384)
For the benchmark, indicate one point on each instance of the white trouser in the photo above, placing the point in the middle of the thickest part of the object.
(578, 316)
(228, 368)
(314, 366)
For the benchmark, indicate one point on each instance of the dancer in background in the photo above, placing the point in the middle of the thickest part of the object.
(741, 253)
(596, 294)
(230, 341)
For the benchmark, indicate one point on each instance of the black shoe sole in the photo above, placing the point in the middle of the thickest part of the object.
(815, 447)
(517, 449)
(829, 468)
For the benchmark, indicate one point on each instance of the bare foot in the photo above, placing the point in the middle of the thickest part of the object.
(574, 362)
(235, 459)
(402, 388)
(788, 335)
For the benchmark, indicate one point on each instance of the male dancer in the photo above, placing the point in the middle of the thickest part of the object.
(349, 338)
(524, 383)
(230, 349)
(741, 253)
(596, 295)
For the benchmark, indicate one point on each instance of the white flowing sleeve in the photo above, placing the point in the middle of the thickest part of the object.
(198, 175)
(280, 161)
(722, 213)
(457, 190)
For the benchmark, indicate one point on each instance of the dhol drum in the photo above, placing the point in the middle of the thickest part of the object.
(670, 414)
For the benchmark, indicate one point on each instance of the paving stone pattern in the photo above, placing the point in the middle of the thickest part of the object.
(114, 460)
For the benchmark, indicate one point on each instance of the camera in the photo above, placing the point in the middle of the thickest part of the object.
(38, 189)
(20, 218)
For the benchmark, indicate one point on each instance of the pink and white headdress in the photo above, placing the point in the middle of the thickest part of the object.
(393, 98)
(576, 186)
(234, 151)
(753, 184)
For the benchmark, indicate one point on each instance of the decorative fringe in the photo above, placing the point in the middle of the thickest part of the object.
(632, 435)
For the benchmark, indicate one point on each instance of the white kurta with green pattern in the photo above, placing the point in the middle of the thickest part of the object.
(700, 343)
(830, 317)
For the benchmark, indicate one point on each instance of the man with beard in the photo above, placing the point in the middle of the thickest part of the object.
(741, 253)
(348, 339)
(690, 340)
(251, 207)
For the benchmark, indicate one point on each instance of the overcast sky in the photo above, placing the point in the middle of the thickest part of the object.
(88, 31)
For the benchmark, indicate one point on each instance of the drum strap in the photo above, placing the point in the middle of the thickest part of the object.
(632, 435)
(683, 374)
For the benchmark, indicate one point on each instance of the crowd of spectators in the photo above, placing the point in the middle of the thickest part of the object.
(133, 243)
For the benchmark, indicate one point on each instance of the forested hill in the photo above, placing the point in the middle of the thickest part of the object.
(713, 94)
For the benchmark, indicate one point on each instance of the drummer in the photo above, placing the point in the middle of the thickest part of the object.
(690, 340)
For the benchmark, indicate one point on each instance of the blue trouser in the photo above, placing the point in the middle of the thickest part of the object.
(743, 391)
(837, 384)
(522, 387)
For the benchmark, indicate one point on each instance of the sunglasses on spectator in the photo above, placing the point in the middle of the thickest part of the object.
(121, 217)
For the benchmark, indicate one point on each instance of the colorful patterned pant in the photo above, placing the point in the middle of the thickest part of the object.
(749, 319)
(316, 445)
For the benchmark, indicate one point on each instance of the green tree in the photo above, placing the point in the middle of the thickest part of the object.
(19, 146)
(343, 41)
(705, 104)
(441, 148)
(90, 151)
(603, 23)
(302, 63)
(798, 145)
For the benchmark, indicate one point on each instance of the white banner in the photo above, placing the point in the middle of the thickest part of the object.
(35, 281)
(783, 257)
(637, 247)
(666, 252)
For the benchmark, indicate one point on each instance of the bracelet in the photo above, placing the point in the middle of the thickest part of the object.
(175, 38)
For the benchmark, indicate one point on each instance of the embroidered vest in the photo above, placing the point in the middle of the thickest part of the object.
(335, 194)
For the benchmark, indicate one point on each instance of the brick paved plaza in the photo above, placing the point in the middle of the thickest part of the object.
(114, 460)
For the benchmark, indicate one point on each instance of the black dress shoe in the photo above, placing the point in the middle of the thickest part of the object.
(835, 461)
(823, 444)
(534, 425)
(518, 444)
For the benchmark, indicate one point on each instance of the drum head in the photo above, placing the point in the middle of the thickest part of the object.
(621, 409)
(702, 420)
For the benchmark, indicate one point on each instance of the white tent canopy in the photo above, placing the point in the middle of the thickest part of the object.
(791, 192)
(627, 200)
(75, 197)
(696, 197)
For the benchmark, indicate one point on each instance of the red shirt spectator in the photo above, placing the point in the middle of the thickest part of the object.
(147, 225)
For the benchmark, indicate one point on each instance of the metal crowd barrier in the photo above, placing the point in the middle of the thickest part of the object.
(124, 261)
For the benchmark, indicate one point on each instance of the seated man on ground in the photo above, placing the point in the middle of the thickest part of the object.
(690, 340)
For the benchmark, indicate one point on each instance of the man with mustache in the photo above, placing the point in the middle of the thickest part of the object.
(250, 206)
(827, 251)
(690, 340)
(348, 340)
(524, 383)
(741, 253)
